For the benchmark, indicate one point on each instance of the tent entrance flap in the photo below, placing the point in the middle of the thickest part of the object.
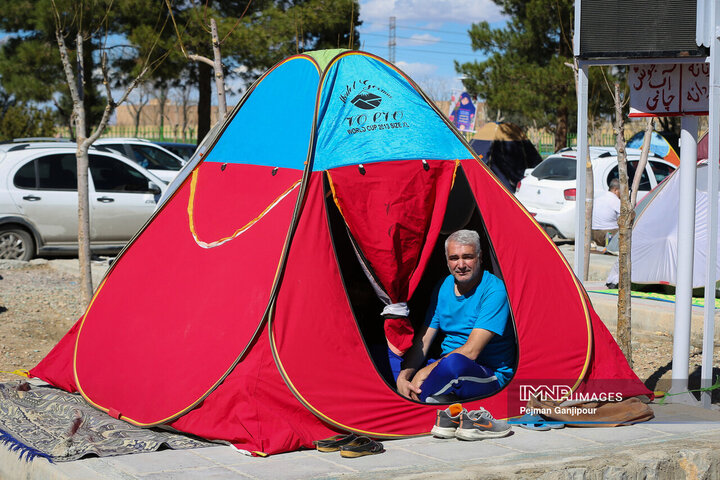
(461, 213)
(393, 211)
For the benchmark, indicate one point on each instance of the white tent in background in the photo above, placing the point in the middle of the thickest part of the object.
(655, 234)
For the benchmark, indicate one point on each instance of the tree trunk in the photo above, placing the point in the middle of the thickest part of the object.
(80, 110)
(204, 94)
(162, 98)
(84, 252)
(219, 77)
(84, 142)
(561, 131)
(642, 162)
(625, 221)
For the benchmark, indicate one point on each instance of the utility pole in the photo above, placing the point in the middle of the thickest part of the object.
(391, 41)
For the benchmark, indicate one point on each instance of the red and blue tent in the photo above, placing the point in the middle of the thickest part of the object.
(658, 145)
(243, 310)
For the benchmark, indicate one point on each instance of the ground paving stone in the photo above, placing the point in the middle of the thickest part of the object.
(657, 449)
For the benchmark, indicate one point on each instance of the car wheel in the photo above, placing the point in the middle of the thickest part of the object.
(16, 244)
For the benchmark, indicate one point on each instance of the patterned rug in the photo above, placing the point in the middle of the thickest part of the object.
(59, 426)
(696, 301)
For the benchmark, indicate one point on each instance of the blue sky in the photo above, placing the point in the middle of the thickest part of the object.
(429, 36)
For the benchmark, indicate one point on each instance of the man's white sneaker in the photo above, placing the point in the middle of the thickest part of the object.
(479, 424)
(448, 421)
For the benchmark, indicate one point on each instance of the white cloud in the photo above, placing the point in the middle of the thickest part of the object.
(461, 11)
(416, 69)
(372, 27)
(424, 39)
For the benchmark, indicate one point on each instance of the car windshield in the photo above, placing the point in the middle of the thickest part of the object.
(555, 168)
(154, 158)
(183, 151)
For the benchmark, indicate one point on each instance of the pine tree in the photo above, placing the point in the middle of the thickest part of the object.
(527, 75)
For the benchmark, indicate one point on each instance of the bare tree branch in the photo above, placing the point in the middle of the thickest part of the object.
(642, 162)
(65, 59)
(200, 58)
(219, 76)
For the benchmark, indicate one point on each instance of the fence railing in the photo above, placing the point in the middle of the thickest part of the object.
(545, 142)
(169, 133)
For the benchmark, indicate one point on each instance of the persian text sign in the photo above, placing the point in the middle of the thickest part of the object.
(669, 89)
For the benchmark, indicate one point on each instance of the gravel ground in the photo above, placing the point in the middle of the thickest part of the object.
(40, 301)
(38, 304)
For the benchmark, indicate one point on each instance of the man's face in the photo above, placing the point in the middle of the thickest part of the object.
(463, 262)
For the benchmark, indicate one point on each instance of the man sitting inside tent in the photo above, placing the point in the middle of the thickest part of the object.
(470, 308)
(606, 210)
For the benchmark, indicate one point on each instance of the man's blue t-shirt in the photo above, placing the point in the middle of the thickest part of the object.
(486, 307)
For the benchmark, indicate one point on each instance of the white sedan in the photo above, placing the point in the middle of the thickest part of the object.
(549, 191)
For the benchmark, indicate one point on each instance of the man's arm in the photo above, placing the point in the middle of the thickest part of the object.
(476, 342)
(413, 359)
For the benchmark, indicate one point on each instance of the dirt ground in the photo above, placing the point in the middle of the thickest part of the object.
(39, 303)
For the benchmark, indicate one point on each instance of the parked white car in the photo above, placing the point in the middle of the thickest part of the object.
(39, 199)
(159, 161)
(549, 192)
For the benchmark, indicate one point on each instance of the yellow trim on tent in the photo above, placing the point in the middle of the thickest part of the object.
(239, 231)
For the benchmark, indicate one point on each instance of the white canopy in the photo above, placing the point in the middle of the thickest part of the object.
(655, 234)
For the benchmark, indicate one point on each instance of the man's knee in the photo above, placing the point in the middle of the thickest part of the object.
(455, 364)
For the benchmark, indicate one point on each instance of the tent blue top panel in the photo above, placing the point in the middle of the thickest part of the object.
(369, 113)
(658, 143)
(274, 125)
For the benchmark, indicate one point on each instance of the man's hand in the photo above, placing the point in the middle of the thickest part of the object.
(408, 382)
(407, 389)
(422, 375)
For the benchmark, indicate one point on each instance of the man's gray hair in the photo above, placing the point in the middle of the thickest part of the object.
(614, 183)
(464, 237)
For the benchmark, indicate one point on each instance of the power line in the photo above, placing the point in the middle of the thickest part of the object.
(418, 39)
(453, 32)
(378, 47)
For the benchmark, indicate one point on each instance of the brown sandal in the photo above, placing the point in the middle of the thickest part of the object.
(360, 447)
(333, 444)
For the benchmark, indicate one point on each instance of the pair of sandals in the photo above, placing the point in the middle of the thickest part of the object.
(536, 422)
(349, 445)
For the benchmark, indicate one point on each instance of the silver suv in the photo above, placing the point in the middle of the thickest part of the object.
(38, 199)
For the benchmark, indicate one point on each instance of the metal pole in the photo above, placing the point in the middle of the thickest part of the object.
(685, 254)
(712, 213)
(581, 156)
(391, 41)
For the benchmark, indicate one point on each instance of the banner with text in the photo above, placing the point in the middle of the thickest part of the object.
(665, 90)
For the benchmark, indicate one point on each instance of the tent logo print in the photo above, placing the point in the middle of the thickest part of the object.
(368, 96)
(366, 100)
